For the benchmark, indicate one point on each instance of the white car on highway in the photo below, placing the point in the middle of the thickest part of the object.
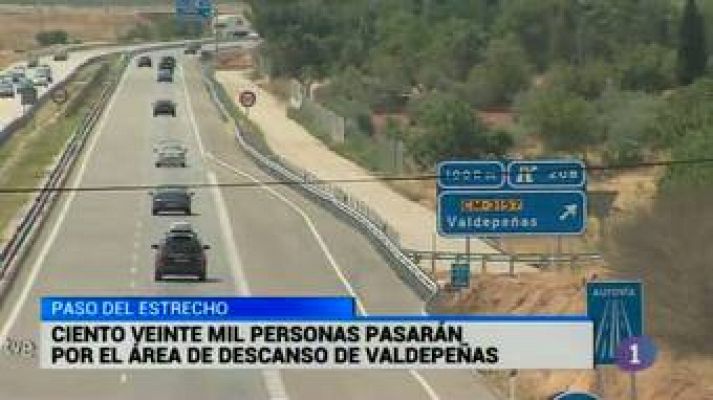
(39, 79)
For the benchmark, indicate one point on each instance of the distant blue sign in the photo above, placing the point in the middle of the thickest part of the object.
(460, 275)
(575, 396)
(616, 309)
(547, 174)
(471, 174)
(194, 8)
(499, 213)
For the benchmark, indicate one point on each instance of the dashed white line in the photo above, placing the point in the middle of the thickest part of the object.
(327, 253)
(272, 378)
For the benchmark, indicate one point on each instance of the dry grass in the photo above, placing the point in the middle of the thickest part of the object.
(86, 24)
(27, 155)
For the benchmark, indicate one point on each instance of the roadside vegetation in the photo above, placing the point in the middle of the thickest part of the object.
(616, 83)
(164, 27)
(29, 154)
(593, 79)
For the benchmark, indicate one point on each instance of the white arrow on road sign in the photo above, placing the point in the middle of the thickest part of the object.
(570, 210)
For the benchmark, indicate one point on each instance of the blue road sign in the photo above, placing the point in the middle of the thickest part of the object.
(500, 213)
(204, 8)
(616, 309)
(460, 275)
(547, 174)
(575, 396)
(194, 8)
(489, 174)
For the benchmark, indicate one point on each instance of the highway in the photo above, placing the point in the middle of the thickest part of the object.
(264, 241)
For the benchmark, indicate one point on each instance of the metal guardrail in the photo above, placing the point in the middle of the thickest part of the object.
(538, 260)
(34, 217)
(365, 218)
(15, 249)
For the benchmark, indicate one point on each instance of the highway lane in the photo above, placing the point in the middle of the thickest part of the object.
(102, 247)
(360, 270)
(264, 241)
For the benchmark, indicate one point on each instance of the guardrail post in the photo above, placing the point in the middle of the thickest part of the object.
(512, 265)
(433, 255)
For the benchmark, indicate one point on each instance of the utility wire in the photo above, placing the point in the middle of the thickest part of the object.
(375, 178)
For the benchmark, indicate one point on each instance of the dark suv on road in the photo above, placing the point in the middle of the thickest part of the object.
(171, 198)
(164, 107)
(180, 252)
(165, 75)
(168, 62)
(144, 61)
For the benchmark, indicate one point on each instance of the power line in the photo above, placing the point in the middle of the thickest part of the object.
(375, 178)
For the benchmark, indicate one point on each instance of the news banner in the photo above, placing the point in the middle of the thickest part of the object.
(296, 333)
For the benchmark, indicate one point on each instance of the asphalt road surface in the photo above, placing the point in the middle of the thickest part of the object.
(264, 241)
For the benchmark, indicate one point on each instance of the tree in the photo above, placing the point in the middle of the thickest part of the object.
(564, 120)
(588, 80)
(504, 73)
(647, 67)
(692, 51)
(46, 38)
(698, 145)
(627, 120)
(446, 127)
(687, 110)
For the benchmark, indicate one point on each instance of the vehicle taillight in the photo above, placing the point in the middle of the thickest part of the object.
(162, 259)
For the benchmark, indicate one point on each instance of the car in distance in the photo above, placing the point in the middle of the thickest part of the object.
(171, 198)
(170, 155)
(144, 61)
(164, 107)
(165, 75)
(33, 62)
(180, 252)
(24, 84)
(7, 89)
(61, 55)
(167, 62)
(17, 73)
(38, 78)
(192, 48)
(44, 70)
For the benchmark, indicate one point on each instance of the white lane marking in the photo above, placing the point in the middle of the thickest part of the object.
(133, 270)
(272, 378)
(123, 378)
(39, 261)
(132, 284)
(327, 253)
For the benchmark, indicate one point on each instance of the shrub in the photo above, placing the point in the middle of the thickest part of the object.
(564, 120)
(47, 38)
